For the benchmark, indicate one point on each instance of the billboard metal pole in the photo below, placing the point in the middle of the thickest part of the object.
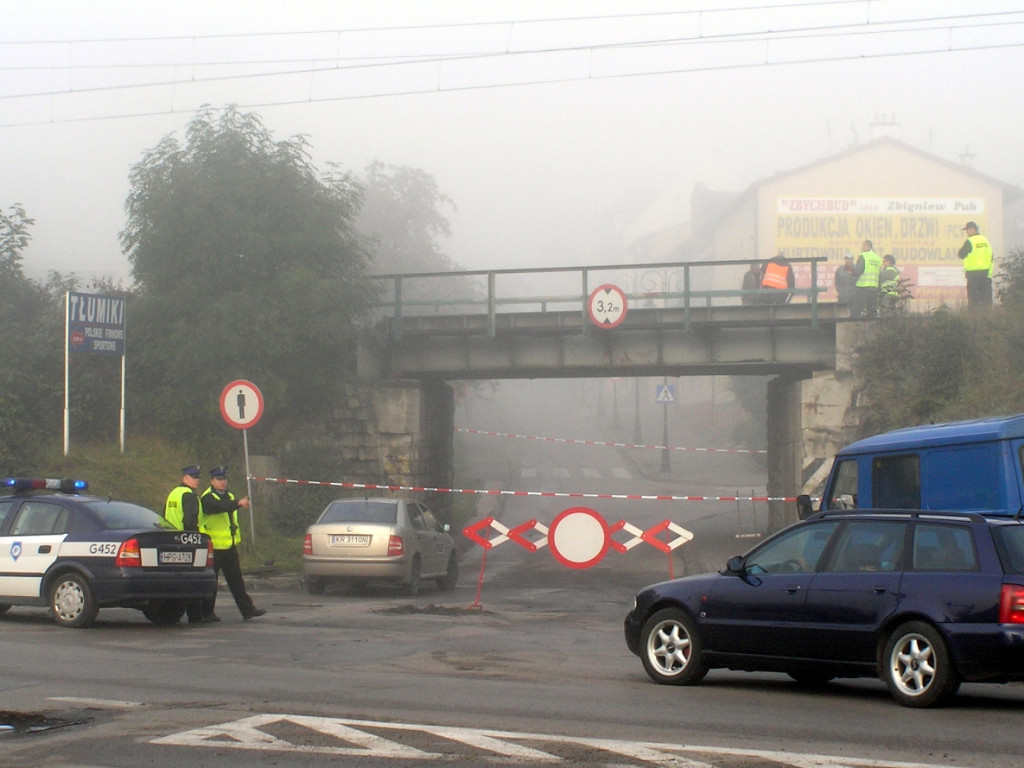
(67, 361)
(123, 357)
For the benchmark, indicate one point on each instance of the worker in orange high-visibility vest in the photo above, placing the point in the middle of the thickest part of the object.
(777, 279)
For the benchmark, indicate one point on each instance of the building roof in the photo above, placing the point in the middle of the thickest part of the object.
(1011, 193)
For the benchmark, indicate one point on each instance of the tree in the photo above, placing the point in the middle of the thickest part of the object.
(1009, 283)
(402, 213)
(30, 378)
(944, 366)
(403, 216)
(14, 237)
(248, 266)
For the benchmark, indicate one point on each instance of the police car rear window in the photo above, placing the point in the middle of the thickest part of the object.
(118, 515)
(382, 513)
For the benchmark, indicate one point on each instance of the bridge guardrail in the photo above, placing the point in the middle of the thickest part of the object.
(686, 285)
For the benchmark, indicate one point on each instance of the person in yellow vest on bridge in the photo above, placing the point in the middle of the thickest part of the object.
(976, 253)
(865, 290)
(220, 521)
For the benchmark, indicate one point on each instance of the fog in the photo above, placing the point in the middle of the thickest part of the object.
(561, 137)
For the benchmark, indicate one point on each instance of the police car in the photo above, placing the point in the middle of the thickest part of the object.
(75, 554)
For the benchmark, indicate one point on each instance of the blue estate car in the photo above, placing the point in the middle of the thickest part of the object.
(924, 600)
(75, 554)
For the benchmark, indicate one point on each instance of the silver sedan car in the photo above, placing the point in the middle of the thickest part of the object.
(355, 541)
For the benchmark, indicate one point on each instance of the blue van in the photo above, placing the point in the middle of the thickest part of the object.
(967, 466)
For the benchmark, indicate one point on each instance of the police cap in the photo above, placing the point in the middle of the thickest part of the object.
(219, 473)
(191, 469)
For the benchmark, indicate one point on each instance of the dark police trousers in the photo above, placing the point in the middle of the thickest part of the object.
(226, 560)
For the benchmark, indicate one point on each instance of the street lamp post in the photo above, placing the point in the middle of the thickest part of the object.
(665, 463)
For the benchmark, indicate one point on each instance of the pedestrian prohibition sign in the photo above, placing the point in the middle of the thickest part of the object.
(607, 306)
(241, 404)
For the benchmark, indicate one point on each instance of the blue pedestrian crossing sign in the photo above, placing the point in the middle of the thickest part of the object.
(666, 393)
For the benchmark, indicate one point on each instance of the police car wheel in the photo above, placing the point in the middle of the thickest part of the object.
(71, 601)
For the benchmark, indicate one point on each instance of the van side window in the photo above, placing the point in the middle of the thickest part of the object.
(896, 482)
(943, 548)
(844, 490)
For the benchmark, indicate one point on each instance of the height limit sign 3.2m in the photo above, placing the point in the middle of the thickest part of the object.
(607, 306)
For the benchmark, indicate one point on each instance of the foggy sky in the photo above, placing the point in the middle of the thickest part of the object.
(556, 157)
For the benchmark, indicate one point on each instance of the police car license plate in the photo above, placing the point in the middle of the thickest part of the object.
(176, 557)
(349, 540)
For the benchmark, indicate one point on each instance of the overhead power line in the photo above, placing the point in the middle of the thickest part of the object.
(454, 25)
(546, 81)
(935, 24)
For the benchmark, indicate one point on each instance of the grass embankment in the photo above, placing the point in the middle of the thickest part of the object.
(148, 469)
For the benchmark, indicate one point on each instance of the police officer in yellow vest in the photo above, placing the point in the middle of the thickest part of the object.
(184, 511)
(865, 290)
(977, 257)
(220, 520)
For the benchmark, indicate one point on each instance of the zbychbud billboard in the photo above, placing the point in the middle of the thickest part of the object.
(924, 235)
(95, 323)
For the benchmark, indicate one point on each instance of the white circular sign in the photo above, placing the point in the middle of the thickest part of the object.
(607, 306)
(578, 538)
(241, 404)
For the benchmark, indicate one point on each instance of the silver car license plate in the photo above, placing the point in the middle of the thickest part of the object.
(349, 540)
(176, 557)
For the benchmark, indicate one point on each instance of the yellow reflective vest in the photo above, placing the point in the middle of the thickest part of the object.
(173, 511)
(221, 527)
(980, 257)
(872, 268)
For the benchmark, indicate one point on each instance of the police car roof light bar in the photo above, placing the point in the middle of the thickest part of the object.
(26, 484)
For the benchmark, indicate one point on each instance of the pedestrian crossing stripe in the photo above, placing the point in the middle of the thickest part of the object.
(362, 738)
(591, 473)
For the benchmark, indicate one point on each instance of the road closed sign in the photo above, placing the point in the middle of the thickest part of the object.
(241, 404)
(607, 306)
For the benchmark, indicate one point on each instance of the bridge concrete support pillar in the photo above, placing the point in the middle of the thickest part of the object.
(414, 424)
(399, 429)
(784, 427)
(808, 421)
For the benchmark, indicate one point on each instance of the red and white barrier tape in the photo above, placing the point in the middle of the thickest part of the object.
(571, 441)
(498, 492)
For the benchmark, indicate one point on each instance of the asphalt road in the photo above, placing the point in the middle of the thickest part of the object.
(522, 664)
(539, 665)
